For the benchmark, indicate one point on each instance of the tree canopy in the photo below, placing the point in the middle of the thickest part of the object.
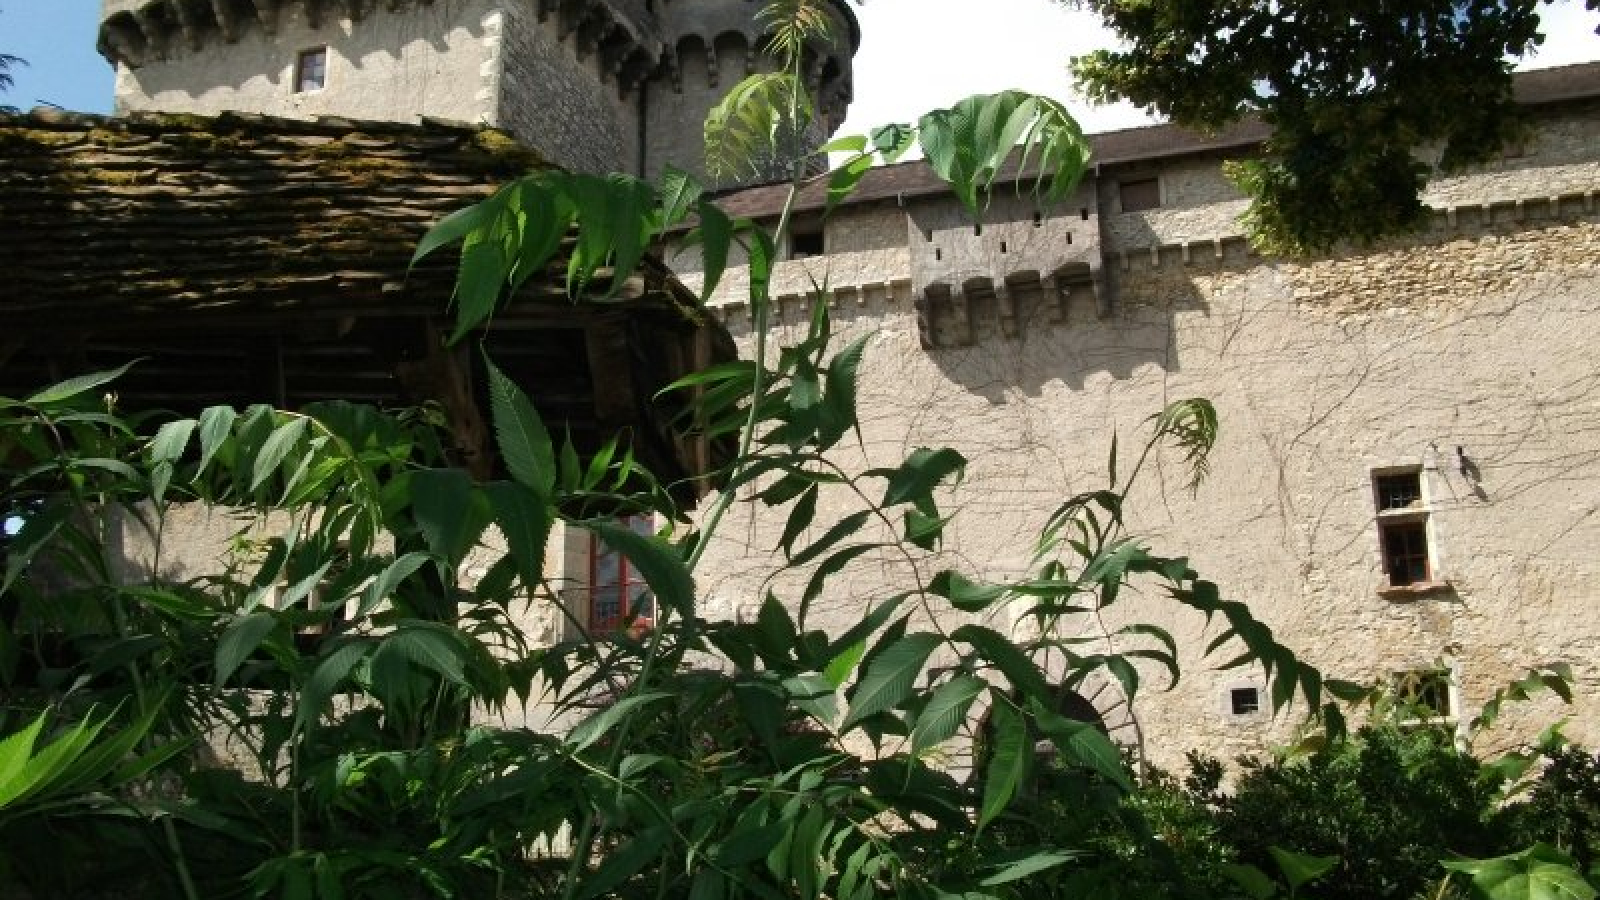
(1366, 98)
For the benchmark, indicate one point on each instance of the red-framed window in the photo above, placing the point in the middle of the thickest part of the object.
(618, 595)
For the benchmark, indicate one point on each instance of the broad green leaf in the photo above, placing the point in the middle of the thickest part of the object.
(73, 387)
(450, 511)
(745, 846)
(520, 433)
(889, 677)
(715, 235)
(216, 423)
(276, 449)
(15, 751)
(240, 639)
(545, 214)
(600, 724)
(1009, 752)
(964, 593)
(389, 579)
(454, 227)
(1030, 865)
(800, 517)
(1540, 872)
(680, 192)
(843, 664)
(850, 143)
(946, 710)
(839, 403)
(171, 440)
(524, 520)
(429, 645)
(1000, 652)
(845, 527)
(324, 680)
(1251, 880)
(658, 562)
(842, 182)
(624, 862)
(1082, 744)
(1300, 869)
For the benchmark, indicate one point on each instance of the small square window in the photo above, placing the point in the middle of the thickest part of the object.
(1244, 701)
(311, 70)
(1140, 194)
(806, 242)
(1424, 694)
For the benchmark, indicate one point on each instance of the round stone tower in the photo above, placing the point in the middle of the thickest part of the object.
(594, 85)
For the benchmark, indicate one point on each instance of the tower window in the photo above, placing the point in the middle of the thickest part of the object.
(311, 70)
(1140, 194)
(806, 242)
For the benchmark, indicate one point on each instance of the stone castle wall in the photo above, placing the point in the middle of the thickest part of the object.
(1476, 334)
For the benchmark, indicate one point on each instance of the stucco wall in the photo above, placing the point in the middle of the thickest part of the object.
(425, 60)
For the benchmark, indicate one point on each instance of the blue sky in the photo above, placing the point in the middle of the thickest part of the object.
(916, 54)
(56, 37)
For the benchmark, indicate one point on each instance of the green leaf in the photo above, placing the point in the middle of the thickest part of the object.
(598, 725)
(743, 131)
(850, 143)
(524, 520)
(913, 482)
(624, 862)
(843, 664)
(1000, 652)
(842, 529)
(450, 511)
(800, 516)
(240, 639)
(715, 235)
(1251, 880)
(276, 449)
(658, 561)
(830, 567)
(1300, 869)
(73, 387)
(1082, 744)
(522, 438)
(171, 440)
(842, 183)
(889, 677)
(1540, 872)
(454, 227)
(216, 423)
(963, 593)
(839, 403)
(680, 192)
(325, 678)
(389, 579)
(1030, 865)
(429, 645)
(946, 710)
(1009, 753)
(745, 846)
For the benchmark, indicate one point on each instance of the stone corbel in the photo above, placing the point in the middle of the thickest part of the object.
(155, 36)
(124, 48)
(267, 15)
(186, 23)
(354, 9)
(313, 12)
(1006, 306)
(711, 63)
(227, 22)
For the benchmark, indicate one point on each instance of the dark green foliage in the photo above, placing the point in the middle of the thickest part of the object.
(1359, 93)
(1390, 804)
(1563, 807)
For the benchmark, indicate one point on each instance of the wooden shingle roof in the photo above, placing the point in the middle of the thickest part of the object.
(255, 259)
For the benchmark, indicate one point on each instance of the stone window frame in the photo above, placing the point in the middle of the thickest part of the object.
(1445, 674)
(1227, 707)
(311, 63)
(807, 240)
(1149, 193)
(1414, 518)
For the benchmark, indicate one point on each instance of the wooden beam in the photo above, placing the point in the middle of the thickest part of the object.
(611, 372)
(444, 376)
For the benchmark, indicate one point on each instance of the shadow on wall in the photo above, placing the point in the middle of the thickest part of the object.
(366, 56)
(1032, 333)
